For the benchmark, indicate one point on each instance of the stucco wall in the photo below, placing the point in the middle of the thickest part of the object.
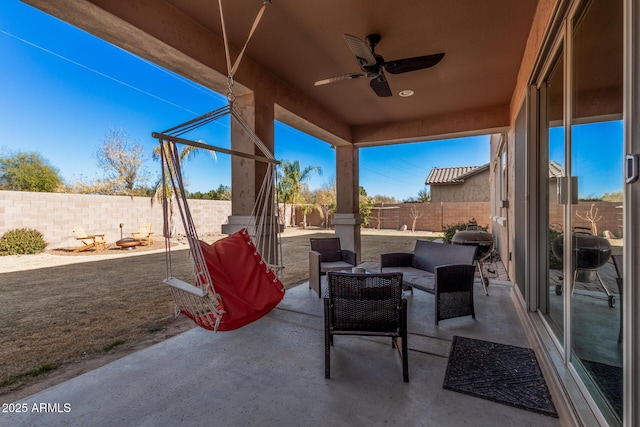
(474, 189)
(55, 215)
(433, 216)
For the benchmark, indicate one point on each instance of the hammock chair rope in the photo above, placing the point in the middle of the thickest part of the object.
(209, 307)
(231, 70)
(261, 232)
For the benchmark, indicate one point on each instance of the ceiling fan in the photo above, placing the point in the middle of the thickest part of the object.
(373, 65)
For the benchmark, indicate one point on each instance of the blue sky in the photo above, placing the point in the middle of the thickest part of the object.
(596, 156)
(63, 90)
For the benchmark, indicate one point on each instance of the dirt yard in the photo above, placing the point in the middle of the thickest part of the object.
(64, 314)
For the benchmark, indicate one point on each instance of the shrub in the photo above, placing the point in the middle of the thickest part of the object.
(22, 241)
(554, 262)
(450, 230)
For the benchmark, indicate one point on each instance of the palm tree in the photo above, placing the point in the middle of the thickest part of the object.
(187, 152)
(291, 181)
(307, 208)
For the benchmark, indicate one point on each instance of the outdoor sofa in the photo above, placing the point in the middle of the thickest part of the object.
(444, 270)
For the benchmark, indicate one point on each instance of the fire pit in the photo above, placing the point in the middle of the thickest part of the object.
(128, 243)
(483, 241)
(590, 253)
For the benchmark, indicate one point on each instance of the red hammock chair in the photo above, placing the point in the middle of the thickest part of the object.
(233, 284)
(246, 288)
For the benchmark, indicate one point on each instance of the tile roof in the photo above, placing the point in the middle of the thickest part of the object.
(455, 175)
(555, 170)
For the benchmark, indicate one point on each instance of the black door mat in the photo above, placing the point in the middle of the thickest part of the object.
(609, 380)
(501, 373)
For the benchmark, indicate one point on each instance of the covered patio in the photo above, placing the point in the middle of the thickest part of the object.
(469, 92)
(509, 70)
(272, 373)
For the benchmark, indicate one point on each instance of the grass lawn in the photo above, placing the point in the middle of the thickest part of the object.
(61, 321)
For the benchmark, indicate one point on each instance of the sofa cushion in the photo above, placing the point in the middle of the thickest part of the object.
(415, 277)
(429, 255)
(335, 266)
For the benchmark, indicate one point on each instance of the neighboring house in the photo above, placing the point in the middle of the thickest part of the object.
(555, 172)
(459, 184)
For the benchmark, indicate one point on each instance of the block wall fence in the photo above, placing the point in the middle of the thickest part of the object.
(55, 215)
(434, 216)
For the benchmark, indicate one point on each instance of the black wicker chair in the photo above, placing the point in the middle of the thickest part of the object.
(365, 304)
(454, 291)
(326, 255)
(618, 263)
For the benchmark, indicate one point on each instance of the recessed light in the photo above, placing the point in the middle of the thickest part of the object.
(405, 93)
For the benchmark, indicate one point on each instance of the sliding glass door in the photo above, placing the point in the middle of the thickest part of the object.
(597, 235)
(581, 193)
(552, 174)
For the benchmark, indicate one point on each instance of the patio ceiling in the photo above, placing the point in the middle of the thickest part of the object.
(300, 42)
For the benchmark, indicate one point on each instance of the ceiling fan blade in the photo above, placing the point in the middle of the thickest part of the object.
(349, 76)
(361, 50)
(411, 64)
(380, 86)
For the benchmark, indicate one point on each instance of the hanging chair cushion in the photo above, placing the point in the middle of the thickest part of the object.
(248, 289)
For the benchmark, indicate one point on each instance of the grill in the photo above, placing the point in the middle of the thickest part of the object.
(483, 241)
(590, 253)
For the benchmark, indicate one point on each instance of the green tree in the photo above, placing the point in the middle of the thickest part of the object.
(366, 206)
(380, 198)
(306, 210)
(223, 192)
(326, 198)
(291, 182)
(28, 172)
(121, 160)
(613, 197)
(424, 196)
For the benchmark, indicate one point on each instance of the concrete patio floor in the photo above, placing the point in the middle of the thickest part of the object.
(271, 373)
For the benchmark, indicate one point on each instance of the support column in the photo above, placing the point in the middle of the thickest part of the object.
(243, 171)
(248, 175)
(347, 219)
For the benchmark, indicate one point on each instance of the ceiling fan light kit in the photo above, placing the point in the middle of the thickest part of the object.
(373, 65)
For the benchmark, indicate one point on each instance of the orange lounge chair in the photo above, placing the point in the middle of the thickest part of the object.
(143, 234)
(89, 240)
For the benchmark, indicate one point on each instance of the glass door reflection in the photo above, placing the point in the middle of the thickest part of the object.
(551, 300)
(596, 157)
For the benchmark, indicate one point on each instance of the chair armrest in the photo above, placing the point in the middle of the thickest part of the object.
(348, 256)
(314, 262)
(403, 313)
(454, 278)
(396, 259)
(314, 272)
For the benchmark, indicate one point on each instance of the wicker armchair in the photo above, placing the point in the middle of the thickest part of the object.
(365, 304)
(326, 255)
(618, 263)
(454, 291)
